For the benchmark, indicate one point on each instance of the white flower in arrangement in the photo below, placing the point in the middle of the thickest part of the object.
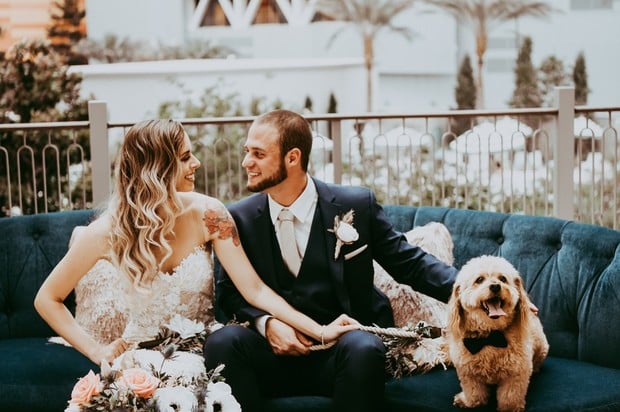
(164, 374)
(182, 367)
(344, 231)
(220, 394)
(186, 328)
(176, 399)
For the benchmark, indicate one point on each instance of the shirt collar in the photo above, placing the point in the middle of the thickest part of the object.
(301, 207)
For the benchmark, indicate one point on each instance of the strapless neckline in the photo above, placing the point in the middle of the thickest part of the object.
(107, 314)
(197, 250)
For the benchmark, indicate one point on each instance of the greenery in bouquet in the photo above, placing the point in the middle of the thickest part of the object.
(165, 374)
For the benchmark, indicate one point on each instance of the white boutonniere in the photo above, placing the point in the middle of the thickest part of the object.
(344, 231)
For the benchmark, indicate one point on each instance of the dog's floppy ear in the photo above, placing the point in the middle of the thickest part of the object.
(523, 306)
(455, 311)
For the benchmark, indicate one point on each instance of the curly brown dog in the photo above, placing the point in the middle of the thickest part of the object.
(494, 337)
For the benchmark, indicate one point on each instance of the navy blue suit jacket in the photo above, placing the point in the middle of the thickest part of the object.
(353, 278)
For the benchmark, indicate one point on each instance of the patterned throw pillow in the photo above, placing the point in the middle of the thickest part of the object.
(408, 305)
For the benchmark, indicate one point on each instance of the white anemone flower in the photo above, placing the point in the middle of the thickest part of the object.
(219, 393)
(175, 399)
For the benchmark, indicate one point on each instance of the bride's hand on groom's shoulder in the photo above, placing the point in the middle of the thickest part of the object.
(339, 326)
(110, 351)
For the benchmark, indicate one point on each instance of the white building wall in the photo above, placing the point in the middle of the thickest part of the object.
(423, 62)
(414, 93)
(134, 91)
(417, 73)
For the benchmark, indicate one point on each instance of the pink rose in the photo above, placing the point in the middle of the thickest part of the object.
(85, 389)
(142, 383)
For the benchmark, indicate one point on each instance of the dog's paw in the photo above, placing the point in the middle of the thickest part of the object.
(462, 401)
(459, 400)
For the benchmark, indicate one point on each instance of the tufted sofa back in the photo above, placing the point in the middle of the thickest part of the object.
(30, 247)
(571, 271)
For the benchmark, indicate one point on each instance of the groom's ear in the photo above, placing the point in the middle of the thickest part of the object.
(293, 157)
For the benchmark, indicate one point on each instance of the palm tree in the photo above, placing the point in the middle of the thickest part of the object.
(369, 17)
(482, 15)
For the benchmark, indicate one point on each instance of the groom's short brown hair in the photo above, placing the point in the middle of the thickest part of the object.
(294, 131)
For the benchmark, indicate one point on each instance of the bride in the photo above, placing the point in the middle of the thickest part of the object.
(159, 235)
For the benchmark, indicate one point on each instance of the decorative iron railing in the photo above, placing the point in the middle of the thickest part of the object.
(560, 161)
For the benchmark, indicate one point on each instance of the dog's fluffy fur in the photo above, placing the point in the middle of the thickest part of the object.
(489, 296)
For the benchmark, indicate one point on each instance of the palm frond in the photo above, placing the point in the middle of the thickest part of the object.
(500, 10)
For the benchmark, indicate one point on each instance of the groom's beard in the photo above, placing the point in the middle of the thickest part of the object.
(270, 181)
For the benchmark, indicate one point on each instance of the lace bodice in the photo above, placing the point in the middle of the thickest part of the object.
(108, 314)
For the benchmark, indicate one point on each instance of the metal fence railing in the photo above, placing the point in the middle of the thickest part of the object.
(44, 167)
(560, 161)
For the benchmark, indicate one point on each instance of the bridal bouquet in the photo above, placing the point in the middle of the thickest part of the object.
(165, 374)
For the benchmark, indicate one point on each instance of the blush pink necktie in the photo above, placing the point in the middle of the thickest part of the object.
(288, 244)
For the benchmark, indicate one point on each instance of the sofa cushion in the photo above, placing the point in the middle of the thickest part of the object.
(561, 385)
(37, 375)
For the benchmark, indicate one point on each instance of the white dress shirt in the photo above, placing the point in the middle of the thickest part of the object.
(303, 209)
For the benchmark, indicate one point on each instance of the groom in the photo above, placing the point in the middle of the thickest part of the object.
(271, 359)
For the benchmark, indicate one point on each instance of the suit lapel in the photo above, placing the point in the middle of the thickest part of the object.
(263, 232)
(330, 209)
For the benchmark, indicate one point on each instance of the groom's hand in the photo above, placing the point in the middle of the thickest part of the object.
(285, 340)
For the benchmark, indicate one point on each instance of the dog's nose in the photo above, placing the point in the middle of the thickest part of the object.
(495, 287)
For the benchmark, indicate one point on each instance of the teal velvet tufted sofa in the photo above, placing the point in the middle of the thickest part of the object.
(571, 271)
(34, 375)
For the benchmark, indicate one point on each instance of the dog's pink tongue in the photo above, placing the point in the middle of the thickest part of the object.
(495, 310)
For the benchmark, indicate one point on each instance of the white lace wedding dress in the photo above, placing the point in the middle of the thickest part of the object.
(107, 311)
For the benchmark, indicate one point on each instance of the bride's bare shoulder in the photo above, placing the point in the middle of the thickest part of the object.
(202, 203)
(96, 234)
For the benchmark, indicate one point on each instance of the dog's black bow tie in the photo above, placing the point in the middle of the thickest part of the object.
(475, 345)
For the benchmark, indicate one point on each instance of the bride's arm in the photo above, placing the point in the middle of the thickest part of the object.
(49, 301)
(234, 260)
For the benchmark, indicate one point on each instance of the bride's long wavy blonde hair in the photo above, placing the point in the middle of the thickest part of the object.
(145, 204)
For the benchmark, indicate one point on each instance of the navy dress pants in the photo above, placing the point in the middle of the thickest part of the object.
(352, 372)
